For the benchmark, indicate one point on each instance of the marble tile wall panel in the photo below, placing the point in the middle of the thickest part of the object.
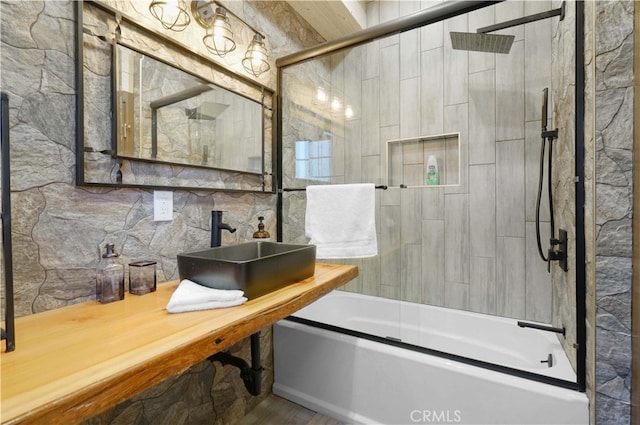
(456, 244)
(510, 188)
(482, 117)
(432, 92)
(510, 93)
(482, 210)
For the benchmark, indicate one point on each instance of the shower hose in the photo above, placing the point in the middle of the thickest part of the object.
(549, 184)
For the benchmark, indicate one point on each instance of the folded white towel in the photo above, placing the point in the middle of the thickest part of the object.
(340, 220)
(189, 296)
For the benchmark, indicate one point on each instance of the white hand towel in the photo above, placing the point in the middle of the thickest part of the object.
(340, 220)
(189, 296)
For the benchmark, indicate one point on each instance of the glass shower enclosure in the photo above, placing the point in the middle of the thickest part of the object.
(385, 106)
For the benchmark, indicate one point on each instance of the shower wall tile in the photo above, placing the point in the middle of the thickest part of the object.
(510, 188)
(386, 134)
(456, 295)
(389, 10)
(411, 274)
(390, 251)
(432, 92)
(409, 55)
(481, 61)
(408, 7)
(433, 262)
(482, 210)
(372, 61)
(456, 244)
(432, 36)
(353, 151)
(537, 280)
(482, 117)
(537, 62)
(507, 11)
(390, 86)
(370, 275)
(456, 119)
(433, 203)
(510, 94)
(510, 279)
(370, 116)
(456, 62)
(409, 108)
(410, 216)
(482, 285)
(371, 169)
(354, 64)
(532, 145)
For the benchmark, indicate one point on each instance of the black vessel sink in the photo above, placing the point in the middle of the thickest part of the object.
(257, 268)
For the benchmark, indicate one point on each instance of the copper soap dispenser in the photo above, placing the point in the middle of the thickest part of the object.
(261, 233)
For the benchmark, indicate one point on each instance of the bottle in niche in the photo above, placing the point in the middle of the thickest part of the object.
(110, 277)
(433, 177)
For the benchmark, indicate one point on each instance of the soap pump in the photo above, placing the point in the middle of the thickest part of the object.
(110, 277)
(261, 233)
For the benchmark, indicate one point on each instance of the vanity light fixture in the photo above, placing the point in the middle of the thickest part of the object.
(172, 14)
(255, 60)
(219, 38)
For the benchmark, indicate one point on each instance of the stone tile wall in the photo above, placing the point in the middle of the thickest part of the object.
(613, 79)
(58, 227)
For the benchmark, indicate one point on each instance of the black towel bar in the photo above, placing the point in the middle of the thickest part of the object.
(383, 187)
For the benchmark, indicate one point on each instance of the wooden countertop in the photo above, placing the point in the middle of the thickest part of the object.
(74, 362)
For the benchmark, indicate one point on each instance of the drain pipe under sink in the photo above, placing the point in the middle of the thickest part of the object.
(251, 375)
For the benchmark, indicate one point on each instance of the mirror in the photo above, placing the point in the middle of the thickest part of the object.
(165, 114)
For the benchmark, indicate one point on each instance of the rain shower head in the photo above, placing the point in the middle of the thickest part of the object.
(480, 41)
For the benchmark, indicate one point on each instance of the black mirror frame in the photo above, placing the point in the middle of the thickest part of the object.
(80, 128)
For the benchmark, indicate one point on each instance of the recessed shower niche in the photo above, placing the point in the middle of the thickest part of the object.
(408, 161)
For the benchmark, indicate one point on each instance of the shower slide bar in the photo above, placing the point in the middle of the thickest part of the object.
(302, 189)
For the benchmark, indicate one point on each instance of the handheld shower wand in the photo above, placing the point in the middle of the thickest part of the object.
(558, 249)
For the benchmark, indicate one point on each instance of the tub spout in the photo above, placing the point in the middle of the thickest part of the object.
(523, 324)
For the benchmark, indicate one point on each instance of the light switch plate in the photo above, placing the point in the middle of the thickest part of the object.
(162, 205)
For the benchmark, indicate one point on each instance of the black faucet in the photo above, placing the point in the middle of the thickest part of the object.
(216, 228)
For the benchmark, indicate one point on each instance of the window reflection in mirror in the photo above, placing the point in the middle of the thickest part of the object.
(165, 114)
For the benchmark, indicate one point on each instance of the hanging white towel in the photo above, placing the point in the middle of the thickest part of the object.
(189, 296)
(340, 220)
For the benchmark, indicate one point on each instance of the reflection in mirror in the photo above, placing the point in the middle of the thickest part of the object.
(165, 114)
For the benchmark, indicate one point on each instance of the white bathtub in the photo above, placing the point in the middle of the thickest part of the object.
(363, 381)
